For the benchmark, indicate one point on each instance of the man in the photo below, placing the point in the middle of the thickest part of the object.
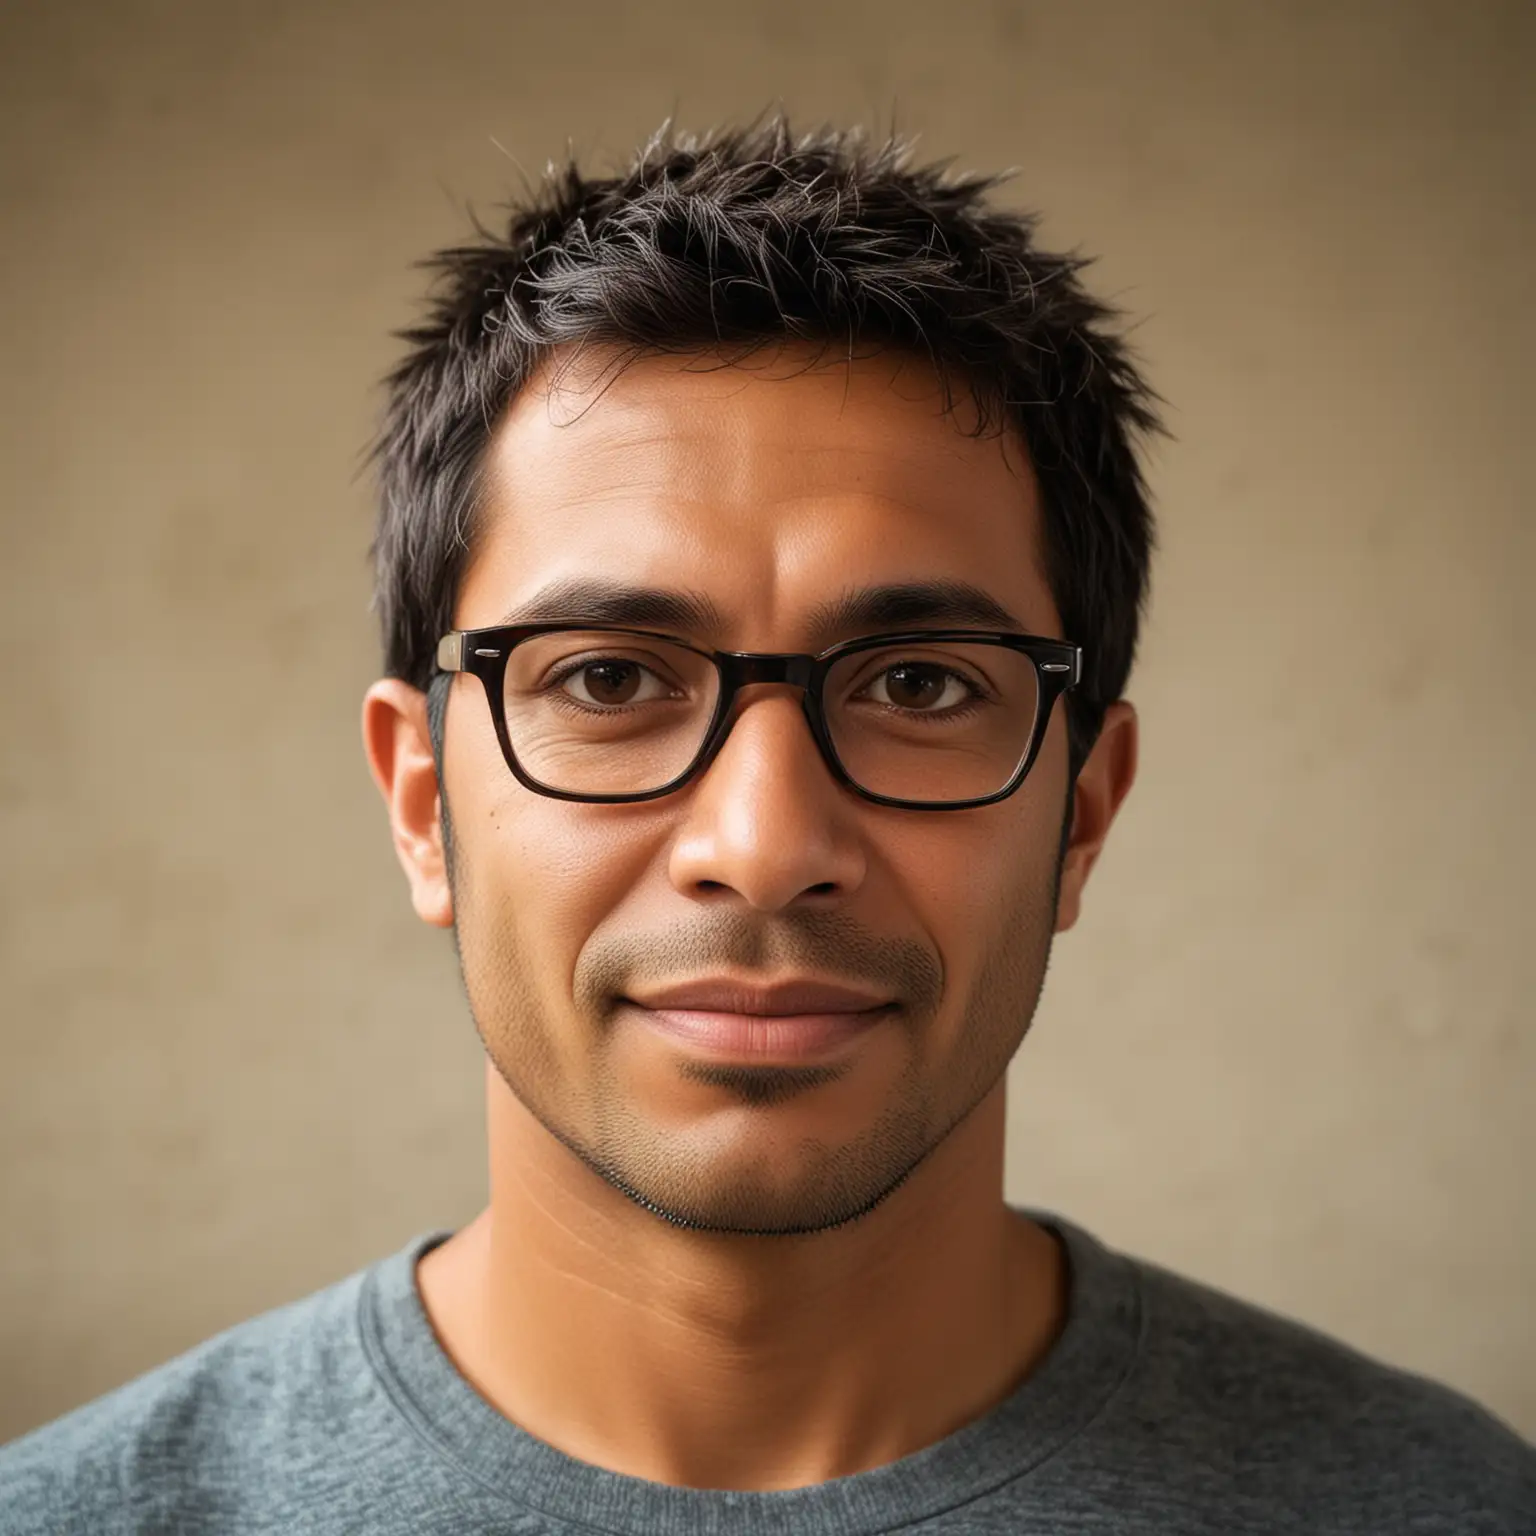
(760, 561)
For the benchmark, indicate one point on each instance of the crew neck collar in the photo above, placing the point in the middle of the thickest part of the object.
(1089, 1359)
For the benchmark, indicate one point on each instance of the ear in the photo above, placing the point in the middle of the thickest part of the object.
(399, 752)
(1102, 785)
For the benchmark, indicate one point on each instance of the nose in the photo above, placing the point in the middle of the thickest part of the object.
(766, 821)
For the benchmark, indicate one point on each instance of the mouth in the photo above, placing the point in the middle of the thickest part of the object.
(789, 1022)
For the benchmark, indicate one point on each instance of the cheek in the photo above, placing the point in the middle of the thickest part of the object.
(972, 875)
(513, 868)
(535, 878)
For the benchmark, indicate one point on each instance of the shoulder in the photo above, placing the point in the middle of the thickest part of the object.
(1287, 1410)
(171, 1448)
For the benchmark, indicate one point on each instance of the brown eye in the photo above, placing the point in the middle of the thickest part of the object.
(919, 686)
(610, 682)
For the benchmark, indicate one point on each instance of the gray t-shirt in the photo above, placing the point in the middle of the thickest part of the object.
(1163, 1406)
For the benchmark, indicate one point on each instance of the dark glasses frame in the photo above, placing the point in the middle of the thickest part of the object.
(485, 652)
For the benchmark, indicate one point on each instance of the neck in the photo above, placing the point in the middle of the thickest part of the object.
(715, 1361)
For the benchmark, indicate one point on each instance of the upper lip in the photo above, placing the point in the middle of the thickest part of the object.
(795, 995)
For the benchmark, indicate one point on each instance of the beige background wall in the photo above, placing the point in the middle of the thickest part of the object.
(1290, 1050)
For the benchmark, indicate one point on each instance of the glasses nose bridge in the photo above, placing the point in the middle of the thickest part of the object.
(744, 668)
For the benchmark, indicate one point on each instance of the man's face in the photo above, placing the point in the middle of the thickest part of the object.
(770, 492)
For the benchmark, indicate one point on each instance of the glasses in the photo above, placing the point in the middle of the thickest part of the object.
(937, 720)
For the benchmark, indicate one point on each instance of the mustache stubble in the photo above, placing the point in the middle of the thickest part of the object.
(827, 943)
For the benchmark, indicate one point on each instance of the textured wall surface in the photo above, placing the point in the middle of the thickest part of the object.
(1289, 1050)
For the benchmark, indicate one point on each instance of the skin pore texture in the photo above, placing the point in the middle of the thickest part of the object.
(731, 1271)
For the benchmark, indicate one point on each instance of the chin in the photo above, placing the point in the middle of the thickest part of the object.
(755, 1213)
(735, 1176)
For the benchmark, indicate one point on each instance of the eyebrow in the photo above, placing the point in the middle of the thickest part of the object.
(898, 605)
(893, 605)
(585, 599)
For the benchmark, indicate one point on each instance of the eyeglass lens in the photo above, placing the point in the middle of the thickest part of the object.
(599, 713)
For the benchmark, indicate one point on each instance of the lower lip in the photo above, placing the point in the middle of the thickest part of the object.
(760, 1037)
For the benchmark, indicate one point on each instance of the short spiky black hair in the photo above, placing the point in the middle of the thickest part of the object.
(748, 237)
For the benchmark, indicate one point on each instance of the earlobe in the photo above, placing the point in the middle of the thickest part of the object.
(399, 751)
(1102, 785)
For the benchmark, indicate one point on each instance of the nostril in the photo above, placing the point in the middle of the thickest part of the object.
(824, 888)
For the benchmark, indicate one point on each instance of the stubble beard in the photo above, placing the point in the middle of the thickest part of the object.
(832, 1184)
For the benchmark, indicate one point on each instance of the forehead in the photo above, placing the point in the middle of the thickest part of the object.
(769, 488)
